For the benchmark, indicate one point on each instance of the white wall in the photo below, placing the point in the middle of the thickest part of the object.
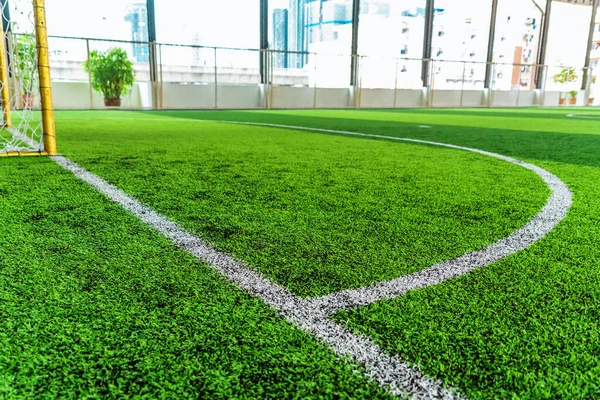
(76, 95)
(292, 97)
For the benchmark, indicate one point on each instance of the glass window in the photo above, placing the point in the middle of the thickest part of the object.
(518, 27)
(106, 19)
(223, 23)
(390, 40)
(98, 20)
(323, 28)
(460, 42)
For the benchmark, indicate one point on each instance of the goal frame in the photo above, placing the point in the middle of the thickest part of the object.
(43, 70)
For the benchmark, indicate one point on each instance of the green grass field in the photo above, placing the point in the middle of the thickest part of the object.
(94, 304)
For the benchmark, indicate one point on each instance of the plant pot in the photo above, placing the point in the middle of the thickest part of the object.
(591, 101)
(27, 100)
(572, 102)
(112, 102)
(561, 102)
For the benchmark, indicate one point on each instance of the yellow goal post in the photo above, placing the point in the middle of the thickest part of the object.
(27, 127)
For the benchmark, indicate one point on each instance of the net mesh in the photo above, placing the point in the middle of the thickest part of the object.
(21, 124)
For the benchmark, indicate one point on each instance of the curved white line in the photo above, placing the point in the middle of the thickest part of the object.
(390, 371)
(583, 116)
(554, 211)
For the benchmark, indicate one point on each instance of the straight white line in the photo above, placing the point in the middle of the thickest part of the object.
(312, 315)
(389, 371)
(583, 116)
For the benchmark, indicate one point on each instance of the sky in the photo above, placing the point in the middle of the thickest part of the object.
(235, 23)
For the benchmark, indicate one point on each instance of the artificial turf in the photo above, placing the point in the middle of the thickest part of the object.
(95, 305)
(524, 327)
(316, 213)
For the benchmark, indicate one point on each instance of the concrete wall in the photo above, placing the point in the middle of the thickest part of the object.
(333, 98)
(292, 97)
(76, 95)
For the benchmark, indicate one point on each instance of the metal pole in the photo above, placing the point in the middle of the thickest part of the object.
(354, 50)
(462, 86)
(150, 10)
(492, 85)
(360, 83)
(315, 85)
(270, 82)
(89, 61)
(396, 85)
(491, 43)
(48, 129)
(160, 65)
(427, 40)
(586, 65)
(216, 80)
(519, 84)
(543, 88)
(543, 42)
(6, 117)
(264, 41)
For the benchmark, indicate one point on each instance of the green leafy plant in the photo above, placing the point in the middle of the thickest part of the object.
(112, 72)
(566, 75)
(573, 94)
(25, 62)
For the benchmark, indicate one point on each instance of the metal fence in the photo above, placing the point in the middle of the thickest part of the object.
(200, 77)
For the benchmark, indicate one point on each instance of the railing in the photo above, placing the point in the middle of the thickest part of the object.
(198, 77)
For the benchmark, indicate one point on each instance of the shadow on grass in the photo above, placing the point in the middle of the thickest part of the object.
(559, 113)
(568, 148)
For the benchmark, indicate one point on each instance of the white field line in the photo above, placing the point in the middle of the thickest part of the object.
(554, 211)
(23, 138)
(312, 315)
(583, 116)
(391, 372)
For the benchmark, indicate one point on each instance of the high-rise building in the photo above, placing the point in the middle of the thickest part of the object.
(280, 37)
(297, 33)
(138, 17)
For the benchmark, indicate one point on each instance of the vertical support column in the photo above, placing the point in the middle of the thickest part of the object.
(541, 60)
(151, 13)
(4, 79)
(89, 61)
(216, 71)
(48, 129)
(427, 39)
(491, 42)
(586, 72)
(354, 49)
(264, 41)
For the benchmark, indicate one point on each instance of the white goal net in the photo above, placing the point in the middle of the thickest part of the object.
(21, 129)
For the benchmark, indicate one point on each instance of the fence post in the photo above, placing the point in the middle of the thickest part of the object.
(160, 77)
(216, 80)
(492, 84)
(315, 84)
(89, 61)
(396, 84)
(542, 72)
(270, 80)
(462, 86)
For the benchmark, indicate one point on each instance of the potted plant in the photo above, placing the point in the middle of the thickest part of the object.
(25, 66)
(573, 97)
(561, 99)
(566, 75)
(112, 74)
